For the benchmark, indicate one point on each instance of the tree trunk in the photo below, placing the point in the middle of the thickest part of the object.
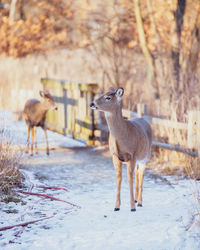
(179, 11)
(13, 7)
(159, 64)
(195, 45)
(143, 43)
(16, 10)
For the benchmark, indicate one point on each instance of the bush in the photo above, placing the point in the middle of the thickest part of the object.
(10, 175)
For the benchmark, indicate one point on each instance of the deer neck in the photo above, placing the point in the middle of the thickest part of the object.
(116, 123)
(43, 107)
(41, 110)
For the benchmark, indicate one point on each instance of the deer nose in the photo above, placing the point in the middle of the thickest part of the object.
(56, 108)
(93, 105)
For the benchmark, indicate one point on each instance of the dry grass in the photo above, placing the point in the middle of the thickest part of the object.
(10, 175)
(192, 170)
(167, 162)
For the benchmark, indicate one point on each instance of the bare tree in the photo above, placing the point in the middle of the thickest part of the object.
(13, 7)
(110, 31)
(143, 42)
(16, 10)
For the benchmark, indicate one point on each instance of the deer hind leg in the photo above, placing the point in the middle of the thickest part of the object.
(141, 170)
(130, 170)
(27, 143)
(118, 168)
(32, 139)
(136, 183)
(47, 147)
(36, 149)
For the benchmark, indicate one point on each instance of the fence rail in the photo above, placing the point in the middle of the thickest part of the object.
(74, 117)
(192, 129)
(160, 122)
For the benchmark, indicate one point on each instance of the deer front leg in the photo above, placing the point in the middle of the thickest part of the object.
(27, 143)
(130, 169)
(141, 170)
(118, 168)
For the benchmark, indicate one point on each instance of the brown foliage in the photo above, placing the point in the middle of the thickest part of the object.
(45, 28)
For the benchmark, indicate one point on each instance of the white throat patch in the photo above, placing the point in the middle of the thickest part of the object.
(107, 114)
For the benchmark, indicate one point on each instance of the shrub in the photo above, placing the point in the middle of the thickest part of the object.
(10, 175)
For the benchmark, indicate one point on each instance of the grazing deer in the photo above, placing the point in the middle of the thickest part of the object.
(129, 141)
(35, 115)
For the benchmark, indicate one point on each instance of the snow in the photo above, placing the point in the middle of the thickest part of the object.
(17, 131)
(164, 221)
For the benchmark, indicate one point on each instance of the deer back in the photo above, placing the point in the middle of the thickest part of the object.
(34, 112)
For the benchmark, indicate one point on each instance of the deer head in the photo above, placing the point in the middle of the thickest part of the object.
(48, 100)
(109, 101)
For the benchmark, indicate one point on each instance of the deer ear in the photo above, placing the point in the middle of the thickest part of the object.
(41, 93)
(119, 92)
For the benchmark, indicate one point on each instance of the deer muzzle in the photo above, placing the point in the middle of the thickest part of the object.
(93, 105)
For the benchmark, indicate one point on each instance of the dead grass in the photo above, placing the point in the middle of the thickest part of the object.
(10, 175)
(169, 162)
(165, 162)
(192, 168)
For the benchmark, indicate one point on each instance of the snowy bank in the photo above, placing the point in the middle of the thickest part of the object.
(164, 222)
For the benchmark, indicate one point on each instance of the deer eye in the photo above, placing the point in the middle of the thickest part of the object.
(108, 98)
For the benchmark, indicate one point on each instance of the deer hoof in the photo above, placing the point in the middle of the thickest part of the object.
(117, 209)
(135, 201)
(133, 210)
(48, 153)
(139, 205)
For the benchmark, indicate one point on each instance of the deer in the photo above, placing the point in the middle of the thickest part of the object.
(35, 115)
(130, 142)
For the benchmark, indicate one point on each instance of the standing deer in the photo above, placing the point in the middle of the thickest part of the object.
(129, 141)
(35, 115)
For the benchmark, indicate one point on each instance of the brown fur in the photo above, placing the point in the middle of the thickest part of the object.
(35, 115)
(129, 141)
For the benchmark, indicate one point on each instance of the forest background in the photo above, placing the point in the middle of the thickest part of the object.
(149, 47)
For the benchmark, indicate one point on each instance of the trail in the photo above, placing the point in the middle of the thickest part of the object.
(162, 223)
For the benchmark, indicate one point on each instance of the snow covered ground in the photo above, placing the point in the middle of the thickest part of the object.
(164, 221)
(17, 132)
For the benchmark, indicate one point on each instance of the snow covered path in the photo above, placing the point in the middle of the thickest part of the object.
(160, 224)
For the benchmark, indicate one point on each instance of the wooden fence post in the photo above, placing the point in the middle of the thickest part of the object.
(142, 109)
(193, 138)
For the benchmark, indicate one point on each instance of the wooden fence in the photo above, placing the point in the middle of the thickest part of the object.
(191, 129)
(75, 118)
